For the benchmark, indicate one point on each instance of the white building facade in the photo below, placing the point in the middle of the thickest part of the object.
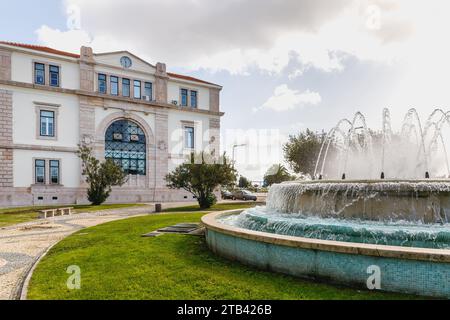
(145, 119)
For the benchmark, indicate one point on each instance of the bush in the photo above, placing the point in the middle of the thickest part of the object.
(302, 150)
(200, 176)
(277, 174)
(100, 176)
(208, 201)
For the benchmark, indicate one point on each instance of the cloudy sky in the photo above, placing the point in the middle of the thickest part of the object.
(285, 65)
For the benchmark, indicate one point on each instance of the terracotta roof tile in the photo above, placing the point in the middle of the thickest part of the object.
(183, 77)
(41, 48)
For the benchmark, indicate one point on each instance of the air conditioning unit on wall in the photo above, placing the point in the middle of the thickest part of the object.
(146, 98)
(175, 102)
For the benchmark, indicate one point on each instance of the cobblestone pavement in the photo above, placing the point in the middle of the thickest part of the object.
(22, 244)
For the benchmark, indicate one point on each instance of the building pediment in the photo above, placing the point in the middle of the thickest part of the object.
(125, 60)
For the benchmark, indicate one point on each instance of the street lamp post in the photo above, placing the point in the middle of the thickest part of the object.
(236, 146)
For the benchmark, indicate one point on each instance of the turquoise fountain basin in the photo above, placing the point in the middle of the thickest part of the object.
(399, 257)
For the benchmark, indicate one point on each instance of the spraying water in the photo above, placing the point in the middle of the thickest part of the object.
(414, 152)
(398, 192)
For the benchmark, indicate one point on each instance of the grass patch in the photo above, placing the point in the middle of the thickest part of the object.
(11, 216)
(117, 263)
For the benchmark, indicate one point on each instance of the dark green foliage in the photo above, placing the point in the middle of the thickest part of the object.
(276, 174)
(100, 176)
(201, 176)
(244, 182)
(302, 150)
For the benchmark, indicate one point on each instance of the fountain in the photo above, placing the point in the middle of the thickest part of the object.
(376, 198)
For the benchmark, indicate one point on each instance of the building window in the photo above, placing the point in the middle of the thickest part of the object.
(184, 97)
(39, 73)
(194, 99)
(114, 85)
(126, 87)
(54, 171)
(149, 90)
(54, 76)
(102, 83)
(125, 144)
(47, 123)
(39, 167)
(137, 89)
(189, 138)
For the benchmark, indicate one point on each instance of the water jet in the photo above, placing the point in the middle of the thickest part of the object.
(339, 226)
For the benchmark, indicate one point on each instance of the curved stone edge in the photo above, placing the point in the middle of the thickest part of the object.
(21, 290)
(396, 252)
(395, 185)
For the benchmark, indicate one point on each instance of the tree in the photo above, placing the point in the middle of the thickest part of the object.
(276, 174)
(200, 176)
(244, 182)
(301, 151)
(100, 176)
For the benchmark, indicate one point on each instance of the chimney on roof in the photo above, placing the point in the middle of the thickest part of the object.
(87, 69)
(86, 54)
(161, 83)
(161, 69)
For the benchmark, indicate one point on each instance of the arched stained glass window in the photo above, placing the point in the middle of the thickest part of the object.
(125, 144)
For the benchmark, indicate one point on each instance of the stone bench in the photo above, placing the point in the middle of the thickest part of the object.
(44, 214)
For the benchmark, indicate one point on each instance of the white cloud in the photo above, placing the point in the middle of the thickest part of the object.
(70, 40)
(242, 34)
(284, 99)
(281, 38)
(229, 35)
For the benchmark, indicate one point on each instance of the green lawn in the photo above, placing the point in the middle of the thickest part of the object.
(11, 216)
(117, 263)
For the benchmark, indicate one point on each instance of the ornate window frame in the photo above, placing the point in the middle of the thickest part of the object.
(188, 99)
(42, 106)
(142, 141)
(46, 73)
(184, 125)
(47, 178)
(151, 140)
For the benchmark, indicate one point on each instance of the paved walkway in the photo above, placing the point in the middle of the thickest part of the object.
(22, 244)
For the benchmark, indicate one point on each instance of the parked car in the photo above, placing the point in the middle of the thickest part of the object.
(244, 195)
(226, 195)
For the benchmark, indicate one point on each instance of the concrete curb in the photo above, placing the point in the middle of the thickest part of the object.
(21, 291)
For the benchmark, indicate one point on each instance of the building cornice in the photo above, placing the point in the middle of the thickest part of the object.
(36, 86)
(19, 146)
(107, 97)
(124, 52)
(128, 71)
(147, 103)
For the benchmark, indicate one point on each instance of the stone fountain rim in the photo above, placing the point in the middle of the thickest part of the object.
(395, 252)
(370, 181)
(395, 185)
